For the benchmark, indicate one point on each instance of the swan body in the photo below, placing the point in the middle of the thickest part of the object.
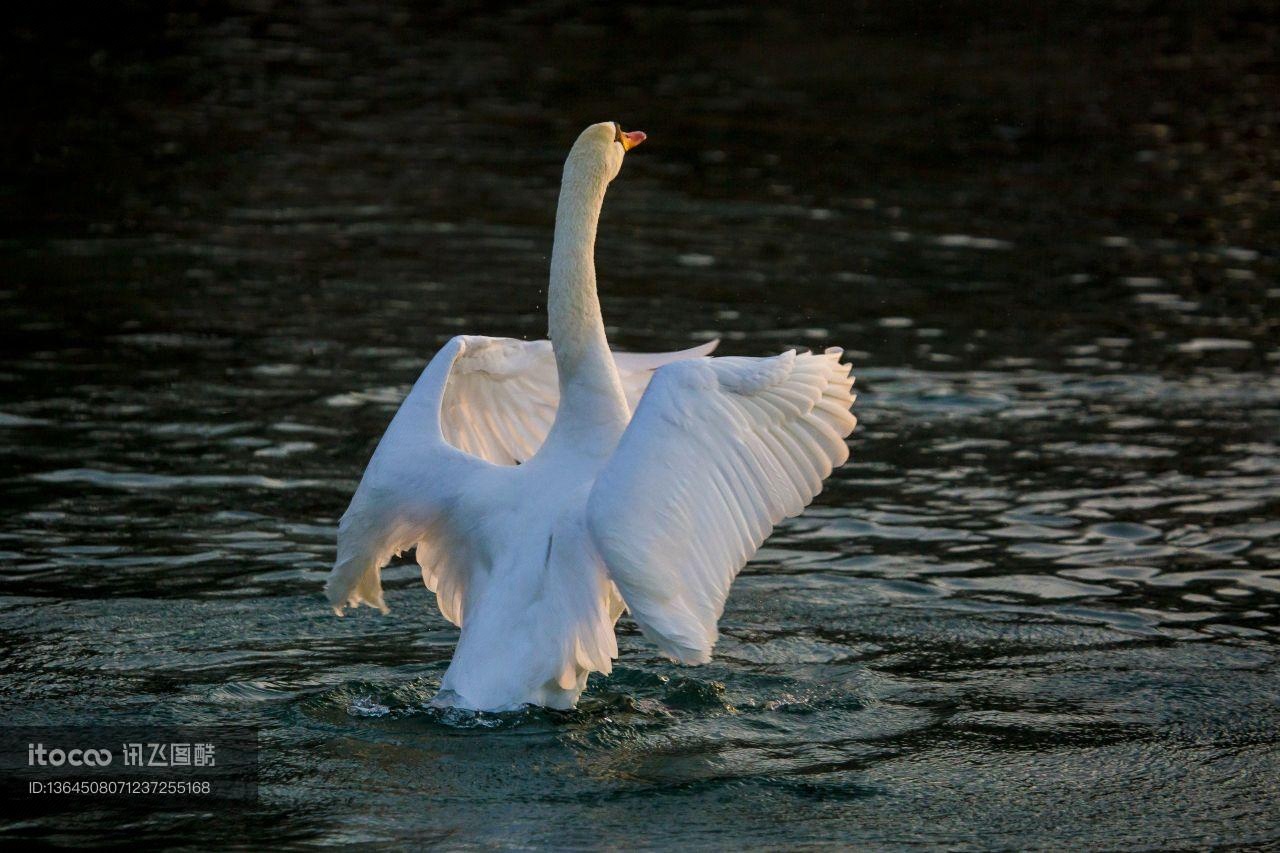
(549, 485)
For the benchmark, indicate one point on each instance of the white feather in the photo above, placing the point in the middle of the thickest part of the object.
(719, 451)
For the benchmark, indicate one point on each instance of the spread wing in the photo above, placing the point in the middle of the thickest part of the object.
(502, 396)
(413, 476)
(718, 452)
(480, 404)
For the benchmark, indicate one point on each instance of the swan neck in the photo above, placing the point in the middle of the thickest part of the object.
(574, 320)
(591, 392)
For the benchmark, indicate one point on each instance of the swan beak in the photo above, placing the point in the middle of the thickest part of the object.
(632, 139)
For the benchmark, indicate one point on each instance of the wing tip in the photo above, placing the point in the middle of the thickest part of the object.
(340, 610)
(685, 656)
(341, 599)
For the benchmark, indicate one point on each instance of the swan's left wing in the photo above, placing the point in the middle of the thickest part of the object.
(404, 497)
(481, 403)
(718, 452)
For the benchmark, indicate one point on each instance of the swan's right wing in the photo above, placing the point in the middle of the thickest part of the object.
(718, 452)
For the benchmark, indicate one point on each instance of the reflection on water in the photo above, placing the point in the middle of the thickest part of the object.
(1046, 585)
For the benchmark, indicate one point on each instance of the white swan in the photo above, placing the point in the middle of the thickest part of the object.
(548, 485)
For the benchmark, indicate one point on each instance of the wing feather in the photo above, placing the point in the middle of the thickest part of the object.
(481, 402)
(413, 475)
(502, 398)
(718, 452)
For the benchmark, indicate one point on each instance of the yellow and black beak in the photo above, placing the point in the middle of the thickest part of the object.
(628, 140)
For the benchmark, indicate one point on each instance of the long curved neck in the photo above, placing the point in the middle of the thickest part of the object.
(590, 392)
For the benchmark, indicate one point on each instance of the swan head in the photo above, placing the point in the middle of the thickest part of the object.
(599, 150)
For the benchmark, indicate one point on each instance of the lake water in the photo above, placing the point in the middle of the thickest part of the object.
(1041, 604)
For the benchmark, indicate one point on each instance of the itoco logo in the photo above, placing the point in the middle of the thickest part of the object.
(38, 755)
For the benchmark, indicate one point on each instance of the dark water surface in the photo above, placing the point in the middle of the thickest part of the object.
(1039, 607)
